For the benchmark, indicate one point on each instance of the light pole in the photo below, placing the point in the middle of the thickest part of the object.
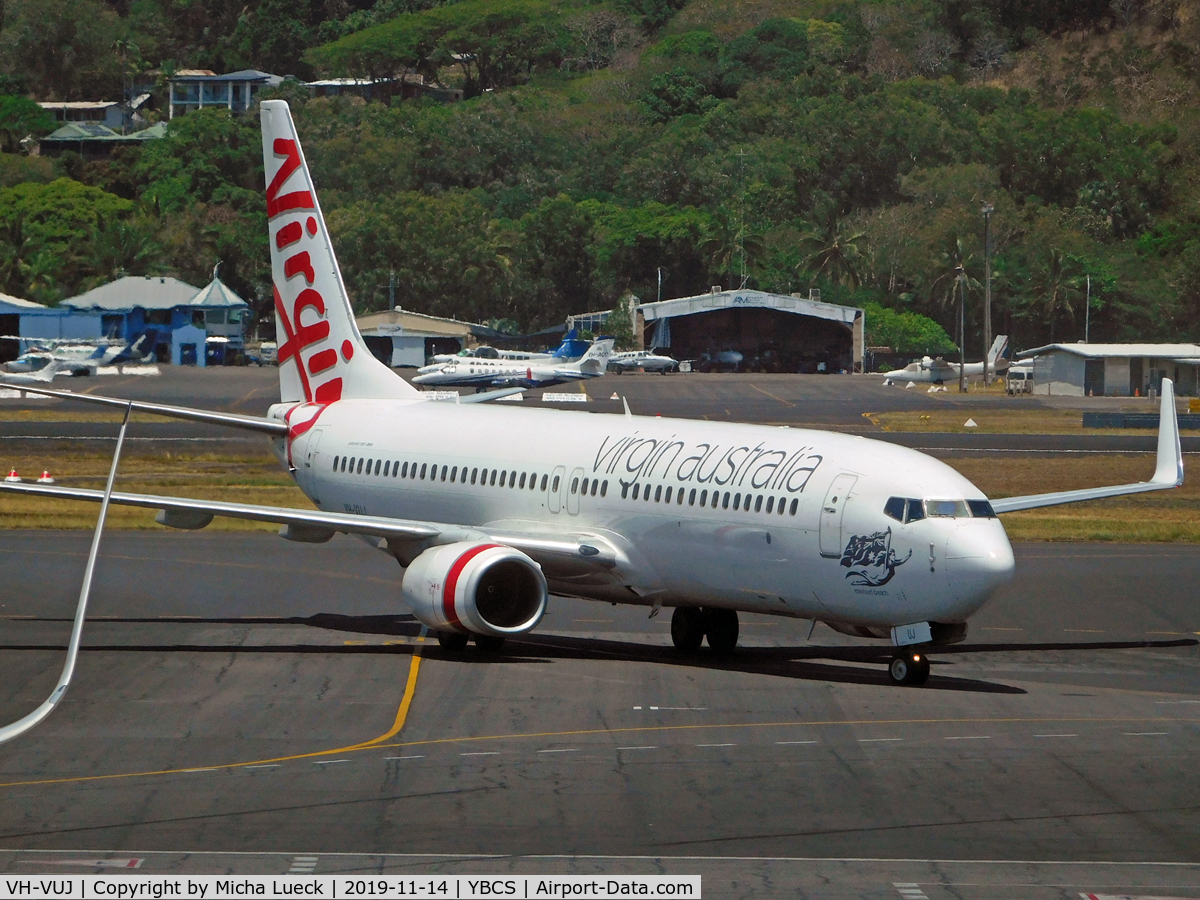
(987, 292)
(962, 329)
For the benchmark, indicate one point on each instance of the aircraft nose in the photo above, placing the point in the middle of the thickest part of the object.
(979, 559)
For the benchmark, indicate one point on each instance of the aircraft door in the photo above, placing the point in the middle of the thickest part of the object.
(558, 484)
(306, 472)
(572, 489)
(831, 514)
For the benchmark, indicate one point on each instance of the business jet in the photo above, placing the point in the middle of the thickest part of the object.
(84, 357)
(710, 519)
(646, 360)
(937, 371)
(569, 350)
(485, 373)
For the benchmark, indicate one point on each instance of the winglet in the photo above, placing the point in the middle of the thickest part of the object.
(1169, 469)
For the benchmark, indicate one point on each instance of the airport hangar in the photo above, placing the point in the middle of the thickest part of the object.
(1113, 370)
(775, 332)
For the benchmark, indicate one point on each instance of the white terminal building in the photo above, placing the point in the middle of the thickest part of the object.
(1112, 370)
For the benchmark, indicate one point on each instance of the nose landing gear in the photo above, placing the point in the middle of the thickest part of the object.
(909, 667)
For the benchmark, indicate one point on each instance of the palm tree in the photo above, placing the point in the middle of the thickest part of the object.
(731, 249)
(120, 247)
(17, 248)
(953, 263)
(832, 250)
(1056, 286)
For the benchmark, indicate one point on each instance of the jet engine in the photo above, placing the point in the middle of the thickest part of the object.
(480, 588)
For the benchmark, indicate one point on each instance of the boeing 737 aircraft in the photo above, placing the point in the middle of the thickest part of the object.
(710, 518)
(937, 371)
(484, 373)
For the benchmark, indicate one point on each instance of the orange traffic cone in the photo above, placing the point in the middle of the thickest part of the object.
(12, 475)
(45, 479)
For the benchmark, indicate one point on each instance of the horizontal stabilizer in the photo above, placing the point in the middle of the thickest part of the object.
(233, 420)
(1168, 473)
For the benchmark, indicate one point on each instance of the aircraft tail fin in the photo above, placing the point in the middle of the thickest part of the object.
(322, 355)
(1000, 352)
(595, 361)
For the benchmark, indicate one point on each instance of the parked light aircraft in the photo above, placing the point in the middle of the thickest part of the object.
(647, 360)
(569, 350)
(711, 518)
(85, 357)
(44, 375)
(937, 371)
(484, 373)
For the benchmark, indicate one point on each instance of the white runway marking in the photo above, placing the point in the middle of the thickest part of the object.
(303, 865)
(1056, 735)
(568, 750)
(795, 742)
(970, 737)
(404, 757)
(909, 890)
(716, 745)
(1144, 733)
(330, 762)
(637, 748)
(265, 766)
(877, 740)
(482, 753)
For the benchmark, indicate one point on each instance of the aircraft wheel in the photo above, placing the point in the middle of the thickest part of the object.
(452, 640)
(687, 628)
(488, 643)
(909, 668)
(721, 629)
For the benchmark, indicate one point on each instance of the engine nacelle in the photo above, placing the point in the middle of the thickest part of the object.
(475, 587)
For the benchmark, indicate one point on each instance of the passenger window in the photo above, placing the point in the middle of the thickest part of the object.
(584, 487)
(692, 497)
(554, 486)
(895, 508)
(737, 499)
(680, 495)
(782, 504)
(512, 479)
(387, 467)
(423, 465)
(493, 481)
(378, 464)
(335, 463)
(358, 471)
(704, 498)
(668, 499)
(395, 468)
(658, 494)
(981, 509)
(624, 490)
(454, 474)
(604, 488)
(595, 486)
(444, 468)
(758, 503)
(522, 480)
(503, 477)
(544, 477)
(795, 503)
(533, 481)
(725, 502)
(574, 485)
(646, 493)
(474, 475)
(770, 504)
(637, 491)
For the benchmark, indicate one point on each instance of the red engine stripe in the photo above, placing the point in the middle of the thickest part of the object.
(452, 583)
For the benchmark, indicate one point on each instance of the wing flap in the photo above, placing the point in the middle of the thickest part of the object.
(1168, 471)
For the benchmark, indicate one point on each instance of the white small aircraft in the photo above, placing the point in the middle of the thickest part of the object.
(937, 371)
(42, 375)
(484, 373)
(84, 357)
(710, 518)
(569, 350)
(647, 360)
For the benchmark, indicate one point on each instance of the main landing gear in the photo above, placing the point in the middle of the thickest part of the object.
(456, 641)
(690, 625)
(909, 667)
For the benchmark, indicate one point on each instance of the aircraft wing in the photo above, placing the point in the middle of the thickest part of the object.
(581, 554)
(1168, 472)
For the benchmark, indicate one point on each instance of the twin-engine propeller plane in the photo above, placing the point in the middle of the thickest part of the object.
(708, 518)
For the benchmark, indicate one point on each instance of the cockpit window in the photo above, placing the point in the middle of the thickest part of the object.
(916, 510)
(956, 509)
(981, 509)
(895, 508)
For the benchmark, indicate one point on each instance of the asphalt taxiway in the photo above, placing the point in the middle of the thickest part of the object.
(242, 701)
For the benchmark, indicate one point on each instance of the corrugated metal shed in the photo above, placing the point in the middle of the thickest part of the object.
(18, 305)
(686, 306)
(1093, 351)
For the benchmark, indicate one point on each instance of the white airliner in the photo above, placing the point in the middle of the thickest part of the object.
(646, 360)
(710, 518)
(531, 373)
(569, 350)
(928, 370)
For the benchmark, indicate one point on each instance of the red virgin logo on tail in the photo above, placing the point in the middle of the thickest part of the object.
(298, 336)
